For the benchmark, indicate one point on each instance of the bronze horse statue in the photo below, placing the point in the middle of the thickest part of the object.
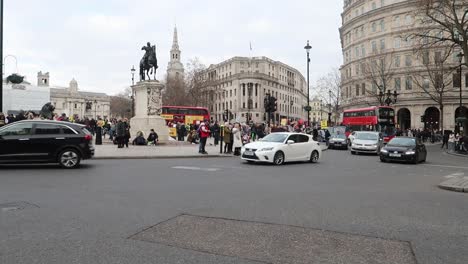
(148, 63)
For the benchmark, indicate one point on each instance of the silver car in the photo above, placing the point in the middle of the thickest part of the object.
(367, 142)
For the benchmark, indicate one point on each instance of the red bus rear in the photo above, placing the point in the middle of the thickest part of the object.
(184, 114)
(376, 118)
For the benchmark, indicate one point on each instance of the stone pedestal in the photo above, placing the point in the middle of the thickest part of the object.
(148, 104)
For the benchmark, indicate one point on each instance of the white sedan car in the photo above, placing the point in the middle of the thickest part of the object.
(279, 148)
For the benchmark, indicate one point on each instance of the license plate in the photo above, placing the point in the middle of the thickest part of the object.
(395, 155)
(248, 153)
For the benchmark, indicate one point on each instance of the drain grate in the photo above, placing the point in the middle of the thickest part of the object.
(274, 243)
(16, 206)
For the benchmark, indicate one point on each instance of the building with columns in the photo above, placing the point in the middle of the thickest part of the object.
(70, 101)
(240, 85)
(175, 68)
(319, 111)
(377, 31)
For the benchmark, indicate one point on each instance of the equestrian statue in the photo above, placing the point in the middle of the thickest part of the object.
(148, 63)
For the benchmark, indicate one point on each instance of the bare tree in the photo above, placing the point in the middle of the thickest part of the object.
(121, 104)
(443, 22)
(329, 90)
(379, 72)
(175, 92)
(436, 79)
(197, 83)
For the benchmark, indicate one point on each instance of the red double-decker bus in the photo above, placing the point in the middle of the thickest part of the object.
(185, 114)
(376, 118)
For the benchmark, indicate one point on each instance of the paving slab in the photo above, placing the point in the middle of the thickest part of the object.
(457, 184)
(272, 243)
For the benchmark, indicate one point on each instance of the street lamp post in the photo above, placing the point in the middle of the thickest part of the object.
(132, 70)
(308, 48)
(1, 55)
(95, 109)
(462, 109)
(321, 110)
(249, 102)
(329, 107)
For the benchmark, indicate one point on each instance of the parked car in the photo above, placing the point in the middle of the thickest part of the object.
(278, 148)
(408, 149)
(338, 141)
(43, 141)
(367, 142)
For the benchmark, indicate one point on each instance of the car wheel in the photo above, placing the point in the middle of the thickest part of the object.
(314, 156)
(279, 158)
(69, 158)
(415, 160)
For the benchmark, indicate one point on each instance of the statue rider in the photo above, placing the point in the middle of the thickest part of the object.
(147, 53)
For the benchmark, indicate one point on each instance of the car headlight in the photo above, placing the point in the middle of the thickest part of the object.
(266, 149)
(353, 145)
(243, 149)
(410, 152)
(384, 151)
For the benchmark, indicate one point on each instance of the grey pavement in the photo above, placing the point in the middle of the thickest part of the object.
(173, 149)
(91, 215)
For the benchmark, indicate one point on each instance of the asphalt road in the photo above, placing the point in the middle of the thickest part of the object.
(90, 215)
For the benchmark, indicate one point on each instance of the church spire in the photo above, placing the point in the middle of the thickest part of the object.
(175, 67)
(175, 40)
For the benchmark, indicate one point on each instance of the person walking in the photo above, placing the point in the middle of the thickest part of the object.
(451, 142)
(227, 137)
(237, 136)
(127, 135)
(215, 132)
(445, 140)
(204, 132)
(120, 133)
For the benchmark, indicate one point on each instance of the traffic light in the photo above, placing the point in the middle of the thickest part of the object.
(266, 103)
(273, 104)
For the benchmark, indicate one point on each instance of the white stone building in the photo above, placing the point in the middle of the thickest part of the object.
(70, 101)
(378, 29)
(226, 87)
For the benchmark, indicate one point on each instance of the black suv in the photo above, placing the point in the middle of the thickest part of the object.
(44, 141)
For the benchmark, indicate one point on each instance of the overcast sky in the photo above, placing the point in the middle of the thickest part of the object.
(97, 42)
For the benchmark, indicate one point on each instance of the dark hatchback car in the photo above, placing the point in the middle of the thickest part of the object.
(42, 141)
(407, 149)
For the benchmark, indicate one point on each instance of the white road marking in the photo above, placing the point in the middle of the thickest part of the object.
(446, 166)
(456, 174)
(194, 168)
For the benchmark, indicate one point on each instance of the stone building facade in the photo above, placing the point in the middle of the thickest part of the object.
(232, 84)
(70, 101)
(319, 111)
(378, 30)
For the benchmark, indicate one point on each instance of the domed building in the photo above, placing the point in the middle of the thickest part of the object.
(379, 54)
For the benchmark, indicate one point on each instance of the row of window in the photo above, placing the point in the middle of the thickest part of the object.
(362, 9)
(375, 26)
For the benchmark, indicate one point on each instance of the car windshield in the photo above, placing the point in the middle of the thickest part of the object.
(278, 138)
(339, 136)
(402, 142)
(367, 136)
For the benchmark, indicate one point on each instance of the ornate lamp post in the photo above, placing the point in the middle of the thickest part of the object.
(249, 102)
(329, 107)
(390, 98)
(308, 108)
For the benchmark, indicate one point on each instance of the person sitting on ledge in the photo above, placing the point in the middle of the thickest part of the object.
(139, 140)
(153, 138)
